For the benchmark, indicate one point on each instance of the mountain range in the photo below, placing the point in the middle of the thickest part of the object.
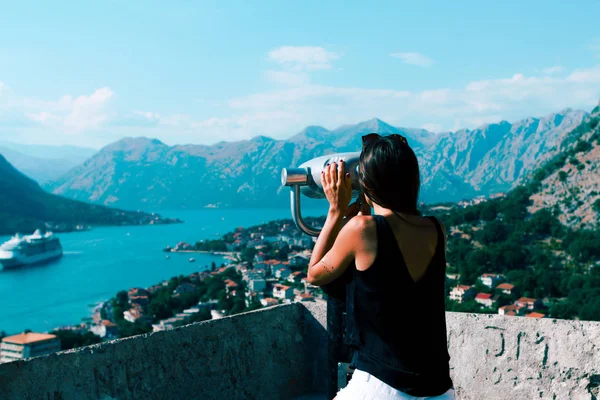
(44, 163)
(142, 173)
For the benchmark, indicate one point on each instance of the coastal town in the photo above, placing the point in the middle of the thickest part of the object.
(265, 266)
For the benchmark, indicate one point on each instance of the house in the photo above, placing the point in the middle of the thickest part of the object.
(169, 323)
(283, 238)
(304, 241)
(506, 288)
(491, 280)
(198, 276)
(283, 292)
(305, 297)
(462, 293)
(154, 288)
(184, 288)
(105, 329)
(535, 315)
(453, 277)
(282, 273)
(528, 303)
(137, 292)
(256, 283)
(135, 314)
(485, 299)
(183, 246)
(510, 310)
(192, 311)
(26, 345)
(215, 314)
(298, 260)
(296, 277)
(208, 305)
(230, 286)
(269, 301)
(142, 301)
(260, 267)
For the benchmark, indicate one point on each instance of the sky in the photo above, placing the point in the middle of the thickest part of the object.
(90, 73)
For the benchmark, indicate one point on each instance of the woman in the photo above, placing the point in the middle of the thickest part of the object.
(397, 325)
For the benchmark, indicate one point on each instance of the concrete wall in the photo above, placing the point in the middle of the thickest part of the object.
(495, 357)
(267, 354)
(280, 353)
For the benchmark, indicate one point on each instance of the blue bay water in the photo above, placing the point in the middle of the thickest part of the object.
(98, 263)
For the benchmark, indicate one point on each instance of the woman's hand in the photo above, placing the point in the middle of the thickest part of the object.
(337, 186)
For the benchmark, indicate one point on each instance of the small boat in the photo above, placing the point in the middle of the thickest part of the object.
(192, 260)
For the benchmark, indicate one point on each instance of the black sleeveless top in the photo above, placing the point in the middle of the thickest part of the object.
(396, 326)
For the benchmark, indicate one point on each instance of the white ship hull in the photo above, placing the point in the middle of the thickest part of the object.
(15, 261)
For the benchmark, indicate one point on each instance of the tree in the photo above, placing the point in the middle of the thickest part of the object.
(582, 146)
(72, 339)
(562, 176)
(596, 206)
(122, 298)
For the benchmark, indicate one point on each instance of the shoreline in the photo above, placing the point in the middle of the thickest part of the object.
(216, 253)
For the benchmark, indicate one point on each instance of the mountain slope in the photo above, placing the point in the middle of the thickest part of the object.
(24, 207)
(570, 183)
(144, 173)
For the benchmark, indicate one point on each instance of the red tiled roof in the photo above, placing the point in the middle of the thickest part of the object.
(511, 307)
(27, 338)
(535, 315)
(106, 322)
(281, 287)
(510, 313)
(505, 286)
(483, 296)
(526, 300)
(230, 283)
(271, 262)
(464, 287)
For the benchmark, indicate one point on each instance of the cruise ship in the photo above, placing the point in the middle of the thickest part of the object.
(32, 249)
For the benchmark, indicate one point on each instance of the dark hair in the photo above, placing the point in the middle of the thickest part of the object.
(389, 173)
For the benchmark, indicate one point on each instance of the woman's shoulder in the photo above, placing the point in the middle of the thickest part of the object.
(362, 224)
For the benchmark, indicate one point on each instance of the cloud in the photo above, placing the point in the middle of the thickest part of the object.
(71, 115)
(477, 102)
(287, 78)
(553, 70)
(414, 59)
(585, 75)
(303, 58)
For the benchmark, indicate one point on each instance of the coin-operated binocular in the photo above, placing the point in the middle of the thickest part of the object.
(306, 180)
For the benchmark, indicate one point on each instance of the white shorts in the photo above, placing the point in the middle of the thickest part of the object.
(364, 386)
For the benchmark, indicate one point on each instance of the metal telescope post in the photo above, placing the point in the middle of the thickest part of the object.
(337, 371)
